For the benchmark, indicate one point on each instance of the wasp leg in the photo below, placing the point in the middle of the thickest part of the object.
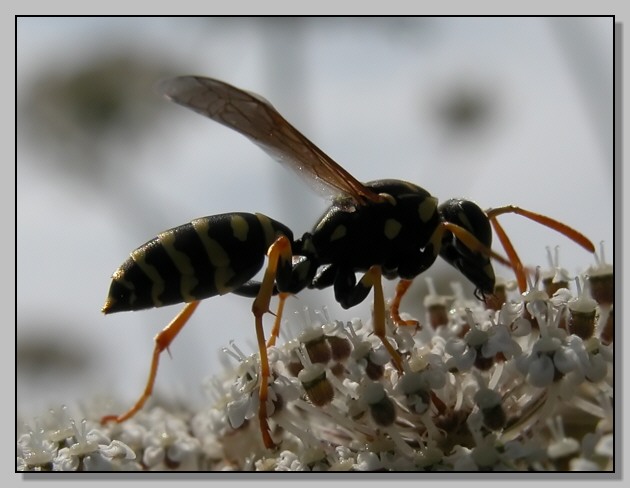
(516, 264)
(290, 279)
(416, 264)
(373, 278)
(250, 289)
(279, 257)
(564, 229)
(275, 331)
(325, 277)
(162, 341)
(515, 261)
(394, 309)
(350, 293)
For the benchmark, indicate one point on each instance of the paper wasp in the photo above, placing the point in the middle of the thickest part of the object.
(387, 228)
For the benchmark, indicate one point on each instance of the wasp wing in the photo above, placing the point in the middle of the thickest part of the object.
(255, 117)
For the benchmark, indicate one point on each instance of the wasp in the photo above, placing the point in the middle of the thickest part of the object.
(389, 229)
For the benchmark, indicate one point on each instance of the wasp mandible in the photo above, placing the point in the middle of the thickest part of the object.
(385, 228)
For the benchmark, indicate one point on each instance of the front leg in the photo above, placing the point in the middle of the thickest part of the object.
(349, 293)
(394, 308)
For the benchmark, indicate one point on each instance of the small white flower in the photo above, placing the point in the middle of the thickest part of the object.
(168, 444)
(528, 451)
(92, 450)
(241, 408)
(462, 355)
(35, 452)
(416, 390)
(368, 461)
(289, 461)
(461, 460)
(594, 364)
(606, 446)
(500, 341)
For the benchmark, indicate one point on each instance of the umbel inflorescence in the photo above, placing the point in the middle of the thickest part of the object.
(520, 382)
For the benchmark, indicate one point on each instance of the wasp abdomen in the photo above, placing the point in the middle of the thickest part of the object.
(206, 257)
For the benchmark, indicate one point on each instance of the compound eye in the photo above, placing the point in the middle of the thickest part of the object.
(472, 218)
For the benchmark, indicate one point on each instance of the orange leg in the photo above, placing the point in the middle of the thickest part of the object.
(279, 250)
(394, 309)
(162, 341)
(373, 278)
(275, 332)
(516, 264)
(564, 229)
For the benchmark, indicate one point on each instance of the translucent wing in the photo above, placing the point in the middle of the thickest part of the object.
(255, 117)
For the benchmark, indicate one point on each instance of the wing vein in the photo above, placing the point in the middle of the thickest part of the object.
(255, 118)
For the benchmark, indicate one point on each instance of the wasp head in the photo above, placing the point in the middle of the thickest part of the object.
(473, 265)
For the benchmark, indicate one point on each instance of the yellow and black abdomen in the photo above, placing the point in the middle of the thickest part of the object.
(205, 257)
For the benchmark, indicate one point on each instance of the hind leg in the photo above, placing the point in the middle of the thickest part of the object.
(162, 341)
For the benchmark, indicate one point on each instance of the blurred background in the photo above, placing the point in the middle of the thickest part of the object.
(496, 110)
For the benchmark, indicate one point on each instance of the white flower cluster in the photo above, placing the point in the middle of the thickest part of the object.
(518, 383)
(59, 444)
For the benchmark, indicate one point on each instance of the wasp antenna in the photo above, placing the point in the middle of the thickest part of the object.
(564, 229)
(472, 243)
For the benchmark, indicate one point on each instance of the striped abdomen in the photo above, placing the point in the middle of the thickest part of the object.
(206, 257)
